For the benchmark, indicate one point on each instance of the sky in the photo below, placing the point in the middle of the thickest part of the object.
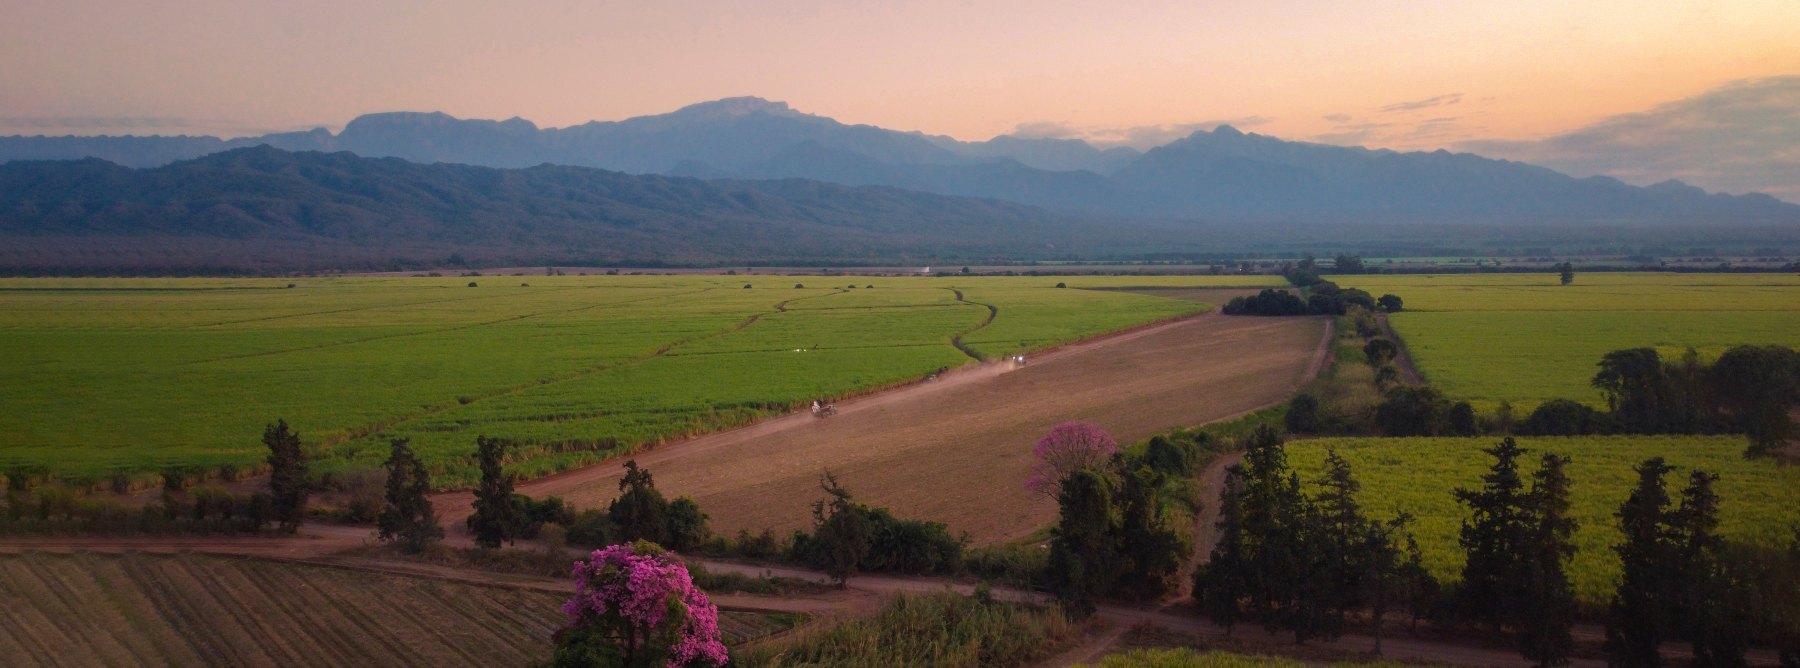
(1520, 77)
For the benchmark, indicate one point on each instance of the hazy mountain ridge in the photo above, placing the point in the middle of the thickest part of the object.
(266, 197)
(1219, 175)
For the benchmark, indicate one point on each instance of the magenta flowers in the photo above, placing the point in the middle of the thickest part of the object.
(646, 607)
(1068, 448)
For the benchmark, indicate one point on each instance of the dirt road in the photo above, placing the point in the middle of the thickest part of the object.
(958, 451)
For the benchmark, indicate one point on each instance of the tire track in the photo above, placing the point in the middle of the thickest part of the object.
(993, 312)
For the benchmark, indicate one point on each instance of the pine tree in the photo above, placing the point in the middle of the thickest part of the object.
(287, 475)
(1493, 539)
(1639, 614)
(1221, 584)
(496, 518)
(408, 518)
(1282, 542)
(1083, 558)
(1547, 617)
(844, 529)
(1709, 608)
(639, 510)
(1344, 553)
(1387, 577)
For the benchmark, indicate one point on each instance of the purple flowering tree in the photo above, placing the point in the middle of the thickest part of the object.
(1070, 447)
(635, 607)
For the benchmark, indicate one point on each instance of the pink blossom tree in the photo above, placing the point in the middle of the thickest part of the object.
(636, 607)
(1070, 447)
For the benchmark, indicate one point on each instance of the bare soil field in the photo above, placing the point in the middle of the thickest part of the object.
(191, 610)
(959, 451)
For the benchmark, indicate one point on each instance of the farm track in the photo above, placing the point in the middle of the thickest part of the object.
(1409, 374)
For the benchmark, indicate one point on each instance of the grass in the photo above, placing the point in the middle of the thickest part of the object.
(937, 630)
(1187, 658)
(105, 378)
(1417, 476)
(1525, 339)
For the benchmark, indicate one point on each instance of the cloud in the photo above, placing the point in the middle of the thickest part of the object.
(1338, 118)
(1743, 136)
(1141, 137)
(1440, 100)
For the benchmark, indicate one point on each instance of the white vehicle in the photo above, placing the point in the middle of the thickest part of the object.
(823, 410)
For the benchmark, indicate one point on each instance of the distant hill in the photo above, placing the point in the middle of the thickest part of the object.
(1222, 175)
(267, 209)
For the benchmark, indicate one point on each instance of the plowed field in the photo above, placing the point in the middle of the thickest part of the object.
(186, 610)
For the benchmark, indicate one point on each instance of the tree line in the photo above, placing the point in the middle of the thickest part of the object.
(1309, 562)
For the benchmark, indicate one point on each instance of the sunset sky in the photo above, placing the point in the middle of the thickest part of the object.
(1410, 75)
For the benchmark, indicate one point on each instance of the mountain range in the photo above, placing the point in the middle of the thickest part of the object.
(266, 209)
(1217, 175)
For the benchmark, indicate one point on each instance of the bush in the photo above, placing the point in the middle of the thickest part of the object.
(1390, 303)
(915, 547)
(1268, 303)
(1303, 414)
(1562, 417)
(1412, 411)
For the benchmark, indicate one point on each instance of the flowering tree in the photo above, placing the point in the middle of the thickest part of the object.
(1070, 447)
(634, 607)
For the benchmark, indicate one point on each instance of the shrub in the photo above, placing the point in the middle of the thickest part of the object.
(1390, 303)
(1562, 417)
(1269, 303)
(1303, 414)
(1412, 411)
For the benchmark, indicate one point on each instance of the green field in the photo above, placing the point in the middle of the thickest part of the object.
(1417, 475)
(1524, 338)
(104, 377)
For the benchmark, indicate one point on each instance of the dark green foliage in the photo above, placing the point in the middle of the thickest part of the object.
(1759, 385)
(1412, 411)
(684, 526)
(1221, 584)
(1347, 264)
(1544, 623)
(1390, 303)
(842, 531)
(287, 475)
(1461, 420)
(1715, 608)
(1636, 388)
(1175, 458)
(1378, 352)
(909, 546)
(1268, 302)
(408, 518)
(1084, 562)
(1304, 415)
(1363, 320)
(536, 513)
(496, 520)
(593, 528)
(1567, 272)
(1150, 551)
(638, 513)
(1562, 417)
(1495, 539)
(1641, 607)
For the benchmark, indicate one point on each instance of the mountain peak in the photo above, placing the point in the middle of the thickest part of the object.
(1227, 131)
(737, 106)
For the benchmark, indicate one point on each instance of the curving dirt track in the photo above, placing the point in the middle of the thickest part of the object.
(959, 451)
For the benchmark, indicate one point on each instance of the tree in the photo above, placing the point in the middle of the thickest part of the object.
(1567, 272)
(1069, 447)
(287, 475)
(1281, 541)
(639, 511)
(1378, 352)
(408, 519)
(1084, 560)
(1390, 575)
(843, 529)
(1636, 389)
(1544, 622)
(1494, 538)
(1346, 555)
(1150, 550)
(1222, 582)
(1390, 303)
(1412, 411)
(1760, 384)
(1561, 417)
(1347, 264)
(497, 518)
(1386, 377)
(634, 607)
(1303, 415)
(1460, 421)
(1711, 606)
(1640, 606)
(684, 526)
